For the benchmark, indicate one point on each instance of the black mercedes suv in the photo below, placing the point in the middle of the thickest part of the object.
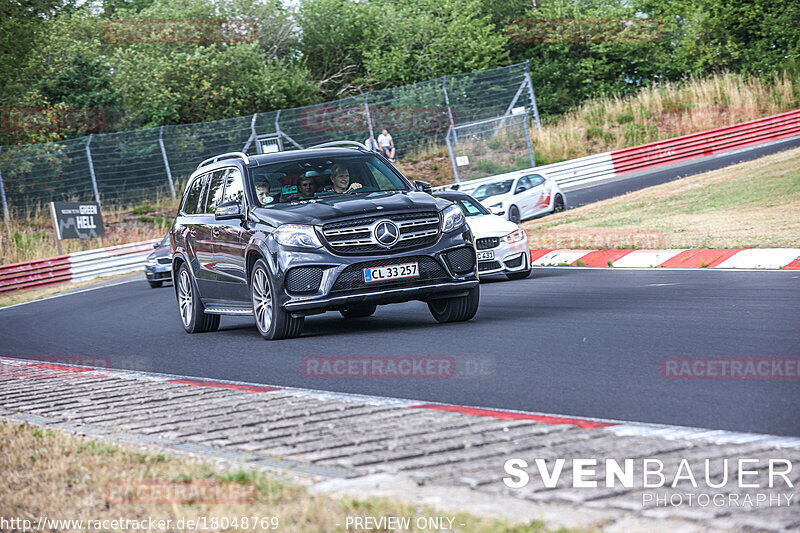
(332, 228)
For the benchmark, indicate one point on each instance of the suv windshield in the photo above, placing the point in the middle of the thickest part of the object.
(323, 178)
(492, 189)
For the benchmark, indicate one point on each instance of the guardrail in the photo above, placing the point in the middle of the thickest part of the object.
(608, 165)
(76, 267)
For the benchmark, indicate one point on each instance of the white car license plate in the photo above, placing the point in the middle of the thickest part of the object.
(483, 256)
(408, 270)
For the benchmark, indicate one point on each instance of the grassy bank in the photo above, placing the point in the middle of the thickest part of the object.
(52, 474)
(749, 205)
(654, 114)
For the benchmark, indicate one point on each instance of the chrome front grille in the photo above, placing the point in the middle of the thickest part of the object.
(355, 237)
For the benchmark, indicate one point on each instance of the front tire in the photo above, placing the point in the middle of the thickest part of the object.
(272, 321)
(558, 204)
(358, 311)
(513, 214)
(458, 309)
(193, 316)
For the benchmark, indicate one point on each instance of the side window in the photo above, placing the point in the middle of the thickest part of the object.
(234, 190)
(535, 180)
(214, 191)
(192, 197)
(523, 184)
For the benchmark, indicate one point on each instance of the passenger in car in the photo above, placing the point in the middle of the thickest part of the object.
(263, 191)
(340, 178)
(307, 186)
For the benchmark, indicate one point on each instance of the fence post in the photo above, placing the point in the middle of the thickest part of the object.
(532, 96)
(449, 113)
(282, 134)
(6, 216)
(452, 155)
(166, 161)
(369, 117)
(528, 140)
(253, 135)
(91, 169)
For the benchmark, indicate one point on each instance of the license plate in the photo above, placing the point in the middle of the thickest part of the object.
(483, 256)
(408, 270)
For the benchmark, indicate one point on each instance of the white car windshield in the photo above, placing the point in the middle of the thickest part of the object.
(470, 207)
(492, 189)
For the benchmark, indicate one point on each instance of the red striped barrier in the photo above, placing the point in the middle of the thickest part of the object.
(703, 144)
(75, 267)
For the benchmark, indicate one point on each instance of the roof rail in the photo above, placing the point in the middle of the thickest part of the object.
(351, 144)
(229, 155)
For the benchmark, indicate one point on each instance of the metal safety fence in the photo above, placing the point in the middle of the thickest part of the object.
(133, 166)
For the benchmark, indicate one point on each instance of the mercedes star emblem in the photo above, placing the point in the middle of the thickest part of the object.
(386, 233)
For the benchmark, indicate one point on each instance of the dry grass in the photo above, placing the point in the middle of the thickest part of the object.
(654, 114)
(56, 475)
(25, 239)
(753, 204)
(663, 112)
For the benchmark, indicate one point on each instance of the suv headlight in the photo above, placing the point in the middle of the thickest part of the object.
(452, 218)
(297, 235)
(151, 260)
(515, 236)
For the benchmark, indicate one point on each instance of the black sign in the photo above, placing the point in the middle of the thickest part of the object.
(77, 220)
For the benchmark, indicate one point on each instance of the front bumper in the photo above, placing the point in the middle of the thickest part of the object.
(507, 258)
(158, 272)
(341, 284)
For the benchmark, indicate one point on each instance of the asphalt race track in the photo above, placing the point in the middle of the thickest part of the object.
(571, 341)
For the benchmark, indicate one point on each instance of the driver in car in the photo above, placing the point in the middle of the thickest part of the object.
(340, 178)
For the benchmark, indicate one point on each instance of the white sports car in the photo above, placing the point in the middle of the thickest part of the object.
(521, 197)
(501, 246)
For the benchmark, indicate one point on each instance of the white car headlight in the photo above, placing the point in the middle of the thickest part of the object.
(151, 260)
(515, 236)
(297, 235)
(452, 218)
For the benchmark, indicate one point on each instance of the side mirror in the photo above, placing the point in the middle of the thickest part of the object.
(499, 211)
(156, 244)
(520, 189)
(423, 186)
(228, 211)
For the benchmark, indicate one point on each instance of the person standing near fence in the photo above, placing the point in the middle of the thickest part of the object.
(372, 144)
(387, 144)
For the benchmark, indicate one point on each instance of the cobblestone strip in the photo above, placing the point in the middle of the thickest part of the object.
(349, 437)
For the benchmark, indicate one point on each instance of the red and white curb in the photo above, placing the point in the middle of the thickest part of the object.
(617, 427)
(716, 258)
